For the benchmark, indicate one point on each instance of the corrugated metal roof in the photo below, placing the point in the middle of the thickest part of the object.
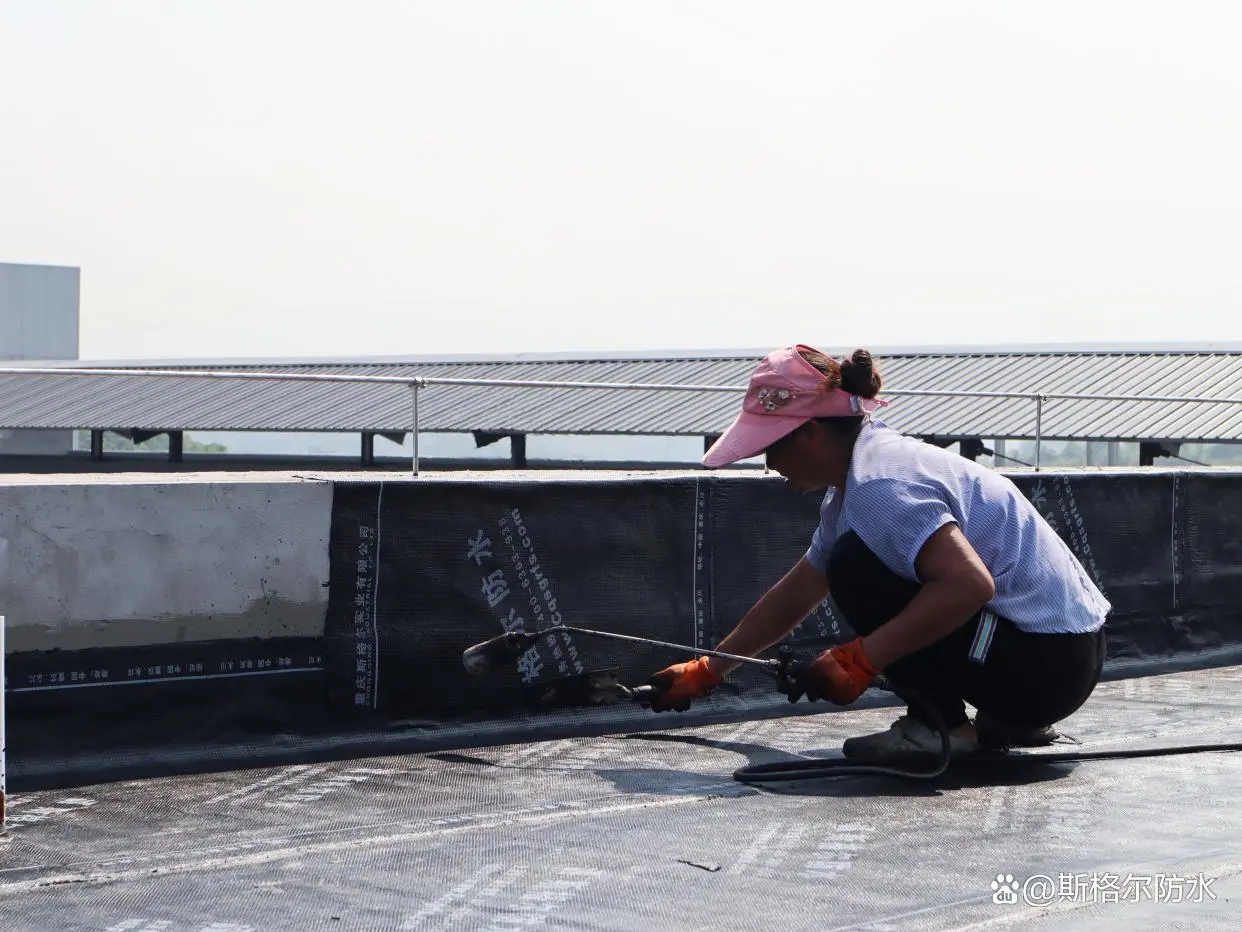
(119, 403)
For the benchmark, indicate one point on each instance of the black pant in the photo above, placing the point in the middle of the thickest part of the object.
(1011, 675)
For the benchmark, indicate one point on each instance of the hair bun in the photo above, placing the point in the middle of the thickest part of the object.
(859, 376)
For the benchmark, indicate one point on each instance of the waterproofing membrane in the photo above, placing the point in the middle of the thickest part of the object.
(422, 570)
(649, 831)
(1163, 547)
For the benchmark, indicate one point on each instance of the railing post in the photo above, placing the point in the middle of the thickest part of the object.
(414, 386)
(1039, 427)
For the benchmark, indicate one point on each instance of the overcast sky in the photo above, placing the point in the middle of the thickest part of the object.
(298, 178)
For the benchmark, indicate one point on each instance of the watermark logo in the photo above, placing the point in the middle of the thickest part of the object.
(1102, 887)
(1004, 890)
(1038, 890)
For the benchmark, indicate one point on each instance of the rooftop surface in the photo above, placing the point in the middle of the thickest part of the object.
(640, 829)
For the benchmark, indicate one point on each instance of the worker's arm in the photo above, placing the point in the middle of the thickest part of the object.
(956, 585)
(781, 609)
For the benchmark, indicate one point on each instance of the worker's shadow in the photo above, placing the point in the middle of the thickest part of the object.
(982, 770)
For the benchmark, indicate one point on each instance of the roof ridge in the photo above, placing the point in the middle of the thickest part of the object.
(654, 356)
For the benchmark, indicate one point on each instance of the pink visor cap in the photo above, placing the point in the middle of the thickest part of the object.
(785, 392)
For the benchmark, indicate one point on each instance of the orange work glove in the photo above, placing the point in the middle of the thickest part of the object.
(675, 686)
(839, 675)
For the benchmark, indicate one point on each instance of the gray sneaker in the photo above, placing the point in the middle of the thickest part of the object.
(906, 738)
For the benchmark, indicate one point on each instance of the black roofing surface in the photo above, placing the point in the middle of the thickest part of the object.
(647, 830)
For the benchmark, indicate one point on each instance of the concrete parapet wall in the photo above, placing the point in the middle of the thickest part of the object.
(87, 563)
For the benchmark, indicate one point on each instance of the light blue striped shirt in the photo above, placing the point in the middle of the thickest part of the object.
(900, 491)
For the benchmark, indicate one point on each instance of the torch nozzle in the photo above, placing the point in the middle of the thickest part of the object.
(498, 652)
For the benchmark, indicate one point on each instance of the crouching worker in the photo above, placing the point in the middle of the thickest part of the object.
(956, 587)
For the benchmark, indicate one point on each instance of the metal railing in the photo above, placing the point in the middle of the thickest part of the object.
(416, 384)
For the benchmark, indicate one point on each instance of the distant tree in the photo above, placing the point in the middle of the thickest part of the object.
(115, 443)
